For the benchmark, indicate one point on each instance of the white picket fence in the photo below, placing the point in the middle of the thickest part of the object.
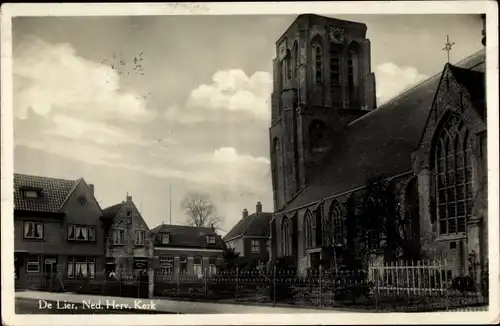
(413, 278)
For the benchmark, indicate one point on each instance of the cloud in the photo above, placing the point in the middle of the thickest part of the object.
(53, 78)
(97, 132)
(393, 80)
(184, 116)
(87, 153)
(232, 90)
(229, 155)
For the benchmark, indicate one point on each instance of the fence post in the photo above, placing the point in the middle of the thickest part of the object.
(274, 285)
(320, 287)
(178, 282)
(139, 285)
(376, 273)
(237, 282)
(445, 285)
(206, 290)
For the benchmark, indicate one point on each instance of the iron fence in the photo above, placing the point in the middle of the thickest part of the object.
(420, 286)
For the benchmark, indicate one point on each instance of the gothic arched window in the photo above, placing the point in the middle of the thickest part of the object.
(286, 237)
(334, 64)
(453, 166)
(289, 64)
(333, 226)
(295, 58)
(318, 59)
(309, 227)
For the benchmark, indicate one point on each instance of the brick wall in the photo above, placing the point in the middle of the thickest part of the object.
(262, 255)
(130, 220)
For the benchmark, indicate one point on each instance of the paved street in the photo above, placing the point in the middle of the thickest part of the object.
(32, 307)
(165, 305)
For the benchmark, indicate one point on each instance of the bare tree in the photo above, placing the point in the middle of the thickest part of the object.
(200, 210)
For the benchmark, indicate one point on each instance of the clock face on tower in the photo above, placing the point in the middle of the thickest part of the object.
(337, 34)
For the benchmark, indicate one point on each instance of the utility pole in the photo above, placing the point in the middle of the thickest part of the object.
(170, 204)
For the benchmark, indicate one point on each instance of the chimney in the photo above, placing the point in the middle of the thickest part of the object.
(213, 228)
(91, 186)
(245, 213)
(129, 198)
(258, 207)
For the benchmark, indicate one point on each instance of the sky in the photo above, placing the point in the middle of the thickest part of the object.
(141, 105)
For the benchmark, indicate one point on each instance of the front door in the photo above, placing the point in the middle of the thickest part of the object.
(50, 272)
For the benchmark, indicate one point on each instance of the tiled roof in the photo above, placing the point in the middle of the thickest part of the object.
(112, 211)
(187, 236)
(252, 225)
(53, 192)
(379, 143)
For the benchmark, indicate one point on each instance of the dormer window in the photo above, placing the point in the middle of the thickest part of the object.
(30, 194)
(210, 239)
(165, 238)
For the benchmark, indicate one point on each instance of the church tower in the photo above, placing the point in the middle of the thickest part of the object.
(322, 82)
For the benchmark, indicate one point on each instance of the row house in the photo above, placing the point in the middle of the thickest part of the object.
(57, 230)
(128, 248)
(250, 236)
(180, 249)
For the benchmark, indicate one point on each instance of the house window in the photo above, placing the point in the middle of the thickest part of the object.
(33, 264)
(453, 166)
(81, 232)
(118, 236)
(81, 267)
(167, 264)
(91, 233)
(212, 265)
(140, 238)
(310, 225)
(129, 213)
(30, 194)
(255, 246)
(183, 264)
(211, 239)
(33, 230)
(286, 237)
(165, 238)
(197, 266)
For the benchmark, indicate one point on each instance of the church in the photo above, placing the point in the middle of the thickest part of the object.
(328, 137)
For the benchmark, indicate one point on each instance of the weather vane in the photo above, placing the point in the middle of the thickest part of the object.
(447, 47)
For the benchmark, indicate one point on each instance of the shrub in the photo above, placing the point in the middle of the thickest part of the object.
(463, 284)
